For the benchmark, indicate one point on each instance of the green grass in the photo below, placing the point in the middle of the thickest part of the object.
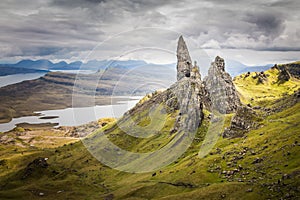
(264, 94)
(73, 173)
(77, 174)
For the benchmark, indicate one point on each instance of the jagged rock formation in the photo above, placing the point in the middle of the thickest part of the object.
(188, 90)
(287, 71)
(284, 74)
(244, 119)
(195, 74)
(35, 166)
(184, 62)
(294, 69)
(261, 77)
(181, 105)
(219, 85)
(186, 95)
(189, 95)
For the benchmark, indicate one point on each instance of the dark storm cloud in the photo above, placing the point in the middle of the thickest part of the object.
(41, 51)
(128, 5)
(283, 4)
(76, 3)
(64, 29)
(281, 49)
(269, 24)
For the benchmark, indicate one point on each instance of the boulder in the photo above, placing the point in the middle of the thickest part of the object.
(244, 119)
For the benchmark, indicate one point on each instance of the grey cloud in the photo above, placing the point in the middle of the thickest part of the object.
(281, 49)
(76, 3)
(291, 4)
(269, 24)
(64, 29)
(41, 51)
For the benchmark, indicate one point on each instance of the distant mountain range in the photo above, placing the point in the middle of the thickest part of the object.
(235, 68)
(91, 65)
(29, 66)
(32, 66)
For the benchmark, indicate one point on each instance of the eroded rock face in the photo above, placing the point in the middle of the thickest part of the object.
(284, 74)
(261, 77)
(188, 90)
(244, 120)
(294, 70)
(185, 96)
(184, 62)
(219, 85)
(35, 167)
(188, 93)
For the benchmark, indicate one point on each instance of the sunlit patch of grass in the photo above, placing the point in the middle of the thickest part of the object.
(266, 93)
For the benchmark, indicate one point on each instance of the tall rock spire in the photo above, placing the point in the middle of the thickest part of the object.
(221, 89)
(184, 62)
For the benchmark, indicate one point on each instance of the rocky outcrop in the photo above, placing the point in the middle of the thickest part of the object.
(244, 120)
(293, 69)
(36, 166)
(184, 62)
(287, 71)
(284, 75)
(189, 95)
(177, 111)
(195, 74)
(221, 90)
(186, 95)
(261, 77)
(189, 91)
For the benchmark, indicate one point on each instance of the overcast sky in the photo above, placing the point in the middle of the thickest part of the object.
(253, 32)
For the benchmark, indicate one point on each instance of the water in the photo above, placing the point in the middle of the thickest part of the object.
(75, 71)
(74, 116)
(16, 78)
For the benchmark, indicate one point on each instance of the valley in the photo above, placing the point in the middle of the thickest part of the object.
(255, 154)
(56, 90)
(262, 164)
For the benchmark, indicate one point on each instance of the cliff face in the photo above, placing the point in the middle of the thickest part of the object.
(244, 119)
(184, 62)
(189, 95)
(221, 89)
(185, 96)
(188, 90)
(292, 69)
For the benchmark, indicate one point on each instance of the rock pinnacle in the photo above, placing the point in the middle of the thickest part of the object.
(184, 62)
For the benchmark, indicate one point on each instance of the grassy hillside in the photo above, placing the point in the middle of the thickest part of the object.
(264, 164)
(264, 94)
